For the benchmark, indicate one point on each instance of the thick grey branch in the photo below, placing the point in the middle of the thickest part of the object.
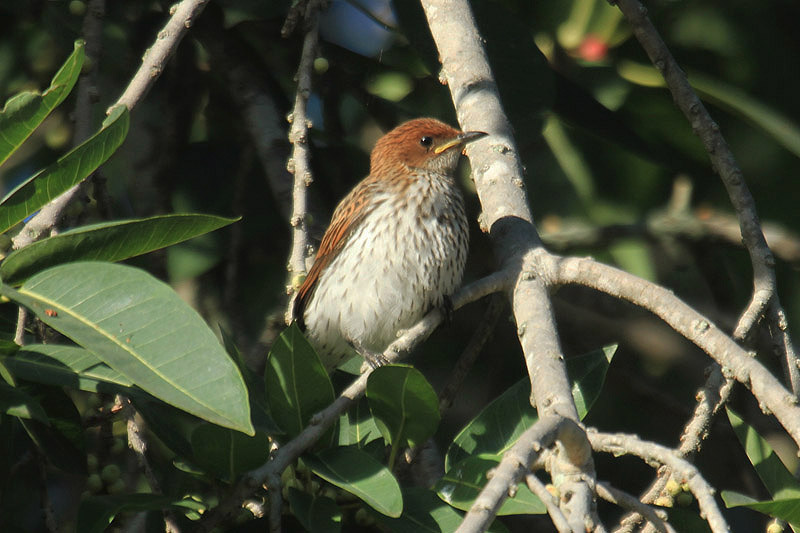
(497, 171)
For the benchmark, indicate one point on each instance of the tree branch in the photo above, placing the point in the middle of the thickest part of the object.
(723, 161)
(183, 16)
(497, 172)
(623, 499)
(270, 471)
(517, 462)
(299, 163)
(735, 362)
(651, 452)
(550, 502)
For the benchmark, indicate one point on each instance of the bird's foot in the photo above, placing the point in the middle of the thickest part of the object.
(373, 359)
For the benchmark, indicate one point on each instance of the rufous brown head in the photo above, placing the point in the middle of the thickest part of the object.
(420, 144)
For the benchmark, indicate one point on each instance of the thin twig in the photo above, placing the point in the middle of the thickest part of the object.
(710, 398)
(723, 161)
(138, 443)
(650, 452)
(183, 16)
(22, 319)
(299, 163)
(735, 361)
(549, 501)
(270, 471)
(628, 501)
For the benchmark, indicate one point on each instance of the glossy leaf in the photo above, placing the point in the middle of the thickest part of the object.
(109, 241)
(66, 366)
(138, 326)
(23, 113)
(297, 385)
(69, 170)
(228, 453)
(498, 426)
(360, 474)
(317, 514)
(461, 485)
(780, 483)
(787, 509)
(259, 410)
(96, 512)
(357, 426)
(405, 406)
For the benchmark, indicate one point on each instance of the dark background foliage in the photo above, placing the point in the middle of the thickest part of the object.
(612, 149)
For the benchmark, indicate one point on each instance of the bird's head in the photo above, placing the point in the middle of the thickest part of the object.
(422, 143)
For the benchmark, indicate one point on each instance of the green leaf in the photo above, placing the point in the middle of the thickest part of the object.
(498, 426)
(461, 485)
(296, 383)
(109, 241)
(138, 326)
(357, 426)
(317, 514)
(227, 453)
(787, 509)
(16, 402)
(780, 483)
(360, 474)
(405, 406)
(259, 410)
(23, 113)
(69, 170)
(96, 512)
(424, 511)
(587, 372)
(66, 366)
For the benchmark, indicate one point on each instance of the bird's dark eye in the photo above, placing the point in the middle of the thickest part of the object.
(426, 141)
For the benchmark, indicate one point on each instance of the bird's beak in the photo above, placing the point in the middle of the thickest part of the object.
(459, 140)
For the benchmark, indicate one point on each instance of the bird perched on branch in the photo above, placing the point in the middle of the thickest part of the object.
(395, 248)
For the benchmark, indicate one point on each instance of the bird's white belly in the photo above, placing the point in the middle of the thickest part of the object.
(386, 277)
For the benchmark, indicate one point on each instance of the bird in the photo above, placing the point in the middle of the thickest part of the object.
(396, 246)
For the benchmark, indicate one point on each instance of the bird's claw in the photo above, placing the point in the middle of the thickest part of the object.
(373, 359)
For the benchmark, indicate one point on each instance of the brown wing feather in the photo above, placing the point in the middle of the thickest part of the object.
(346, 217)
